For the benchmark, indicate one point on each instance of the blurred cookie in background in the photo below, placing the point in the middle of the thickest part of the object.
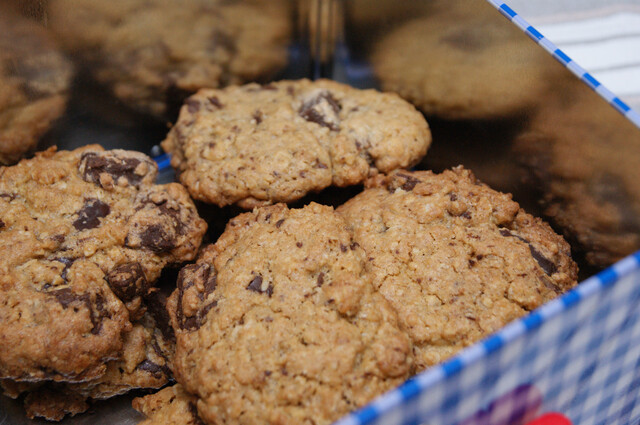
(152, 55)
(584, 158)
(464, 61)
(34, 83)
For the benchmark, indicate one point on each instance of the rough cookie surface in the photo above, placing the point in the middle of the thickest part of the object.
(254, 145)
(169, 406)
(585, 159)
(456, 259)
(144, 363)
(156, 53)
(34, 77)
(279, 323)
(462, 63)
(84, 235)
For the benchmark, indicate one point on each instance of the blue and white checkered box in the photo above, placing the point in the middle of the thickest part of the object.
(579, 354)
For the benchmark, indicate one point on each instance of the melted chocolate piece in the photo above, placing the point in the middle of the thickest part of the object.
(188, 277)
(312, 110)
(96, 164)
(90, 214)
(215, 102)
(67, 297)
(256, 286)
(547, 265)
(410, 182)
(158, 371)
(156, 302)
(67, 263)
(128, 281)
(156, 239)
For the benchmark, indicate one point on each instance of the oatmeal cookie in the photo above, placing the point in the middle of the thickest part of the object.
(456, 259)
(463, 62)
(85, 234)
(278, 322)
(254, 145)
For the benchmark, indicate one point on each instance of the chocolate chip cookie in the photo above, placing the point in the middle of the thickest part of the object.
(35, 78)
(154, 54)
(254, 145)
(463, 62)
(584, 158)
(278, 322)
(456, 259)
(84, 235)
(143, 363)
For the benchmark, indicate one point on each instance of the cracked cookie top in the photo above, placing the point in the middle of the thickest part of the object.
(85, 233)
(278, 322)
(254, 145)
(456, 259)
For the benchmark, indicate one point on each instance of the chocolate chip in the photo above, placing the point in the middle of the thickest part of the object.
(320, 165)
(466, 215)
(453, 197)
(155, 238)
(188, 277)
(8, 196)
(93, 164)
(269, 86)
(354, 245)
(320, 279)
(156, 302)
(67, 263)
(547, 265)
(256, 286)
(2, 224)
(66, 296)
(215, 102)
(257, 115)
(467, 40)
(299, 244)
(98, 315)
(156, 370)
(128, 281)
(193, 105)
(323, 109)
(90, 214)
(193, 410)
(410, 182)
(279, 223)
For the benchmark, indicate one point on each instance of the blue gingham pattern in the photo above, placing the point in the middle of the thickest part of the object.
(579, 353)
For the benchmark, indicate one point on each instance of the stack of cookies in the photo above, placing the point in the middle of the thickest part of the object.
(295, 314)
